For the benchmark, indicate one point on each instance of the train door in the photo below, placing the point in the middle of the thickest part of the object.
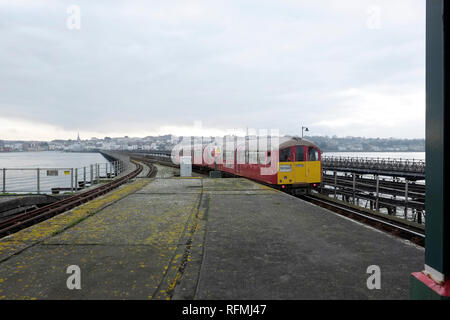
(300, 165)
(313, 174)
(285, 166)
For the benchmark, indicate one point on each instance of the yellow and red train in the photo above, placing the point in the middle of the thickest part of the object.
(295, 166)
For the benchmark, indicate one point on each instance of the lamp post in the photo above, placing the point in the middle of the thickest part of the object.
(304, 129)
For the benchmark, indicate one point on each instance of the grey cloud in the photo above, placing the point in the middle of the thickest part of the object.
(149, 64)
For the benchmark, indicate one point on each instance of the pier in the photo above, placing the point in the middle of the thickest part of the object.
(168, 237)
(372, 229)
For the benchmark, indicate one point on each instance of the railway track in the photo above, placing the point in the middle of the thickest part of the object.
(152, 169)
(405, 231)
(30, 218)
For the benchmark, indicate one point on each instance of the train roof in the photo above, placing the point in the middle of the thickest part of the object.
(284, 142)
(287, 142)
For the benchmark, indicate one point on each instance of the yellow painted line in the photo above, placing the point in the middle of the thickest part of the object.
(264, 187)
(175, 275)
(27, 237)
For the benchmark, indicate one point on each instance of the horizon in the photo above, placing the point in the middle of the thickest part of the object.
(135, 137)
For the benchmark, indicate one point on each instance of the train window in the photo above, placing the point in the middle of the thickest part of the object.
(300, 154)
(285, 155)
(240, 156)
(262, 157)
(253, 157)
(229, 157)
(313, 154)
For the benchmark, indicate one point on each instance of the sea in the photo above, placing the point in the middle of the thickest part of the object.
(49, 159)
(20, 176)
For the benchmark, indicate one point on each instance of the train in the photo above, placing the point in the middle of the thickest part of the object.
(295, 166)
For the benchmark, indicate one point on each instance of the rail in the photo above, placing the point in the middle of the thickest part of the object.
(387, 195)
(410, 232)
(386, 164)
(24, 220)
(53, 180)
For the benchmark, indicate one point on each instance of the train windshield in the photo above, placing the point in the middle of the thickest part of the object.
(285, 155)
(299, 154)
(313, 154)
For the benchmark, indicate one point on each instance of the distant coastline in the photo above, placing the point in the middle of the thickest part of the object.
(168, 142)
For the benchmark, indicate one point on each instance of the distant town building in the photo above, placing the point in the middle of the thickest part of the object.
(167, 142)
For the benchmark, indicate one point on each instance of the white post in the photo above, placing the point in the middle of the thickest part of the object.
(38, 182)
(71, 180)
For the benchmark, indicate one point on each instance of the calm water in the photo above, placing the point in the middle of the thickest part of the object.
(391, 155)
(22, 181)
(48, 159)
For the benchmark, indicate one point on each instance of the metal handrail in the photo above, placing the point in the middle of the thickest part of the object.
(35, 183)
(413, 165)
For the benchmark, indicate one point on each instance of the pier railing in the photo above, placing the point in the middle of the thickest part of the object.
(386, 185)
(412, 168)
(55, 180)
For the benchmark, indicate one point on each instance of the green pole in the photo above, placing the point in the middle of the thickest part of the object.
(434, 281)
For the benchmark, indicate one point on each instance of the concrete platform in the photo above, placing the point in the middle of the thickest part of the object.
(274, 246)
(200, 238)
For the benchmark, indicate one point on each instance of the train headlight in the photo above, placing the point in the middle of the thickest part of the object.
(285, 168)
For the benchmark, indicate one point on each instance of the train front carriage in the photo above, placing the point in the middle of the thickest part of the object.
(299, 167)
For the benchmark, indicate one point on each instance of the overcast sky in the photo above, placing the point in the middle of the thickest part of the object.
(138, 68)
